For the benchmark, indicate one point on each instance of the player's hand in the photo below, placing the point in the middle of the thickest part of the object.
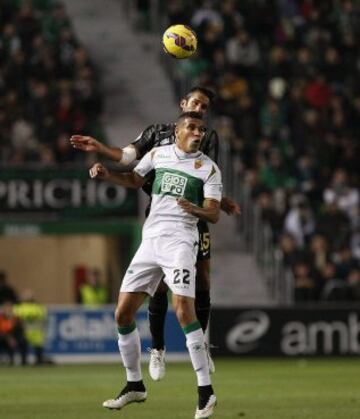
(85, 143)
(187, 206)
(230, 206)
(99, 171)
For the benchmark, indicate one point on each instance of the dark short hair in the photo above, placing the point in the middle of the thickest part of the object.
(194, 115)
(204, 90)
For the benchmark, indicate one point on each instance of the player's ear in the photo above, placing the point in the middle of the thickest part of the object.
(182, 103)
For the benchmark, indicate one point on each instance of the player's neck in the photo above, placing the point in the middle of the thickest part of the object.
(184, 154)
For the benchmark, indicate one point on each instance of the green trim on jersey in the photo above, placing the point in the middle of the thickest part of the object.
(180, 184)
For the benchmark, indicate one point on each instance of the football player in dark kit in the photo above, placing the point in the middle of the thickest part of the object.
(198, 99)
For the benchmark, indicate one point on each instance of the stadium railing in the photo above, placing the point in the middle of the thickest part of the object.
(256, 234)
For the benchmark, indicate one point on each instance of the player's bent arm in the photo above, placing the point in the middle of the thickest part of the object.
(126, 179)
(209, 212)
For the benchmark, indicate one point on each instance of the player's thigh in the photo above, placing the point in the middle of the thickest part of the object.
(178, 265)
(143, 274)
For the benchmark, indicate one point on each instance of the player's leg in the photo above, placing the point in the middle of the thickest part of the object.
(195, 341)
(179, 271)
(158, 306)
(202, 293)
(130, 350)
(140, 279)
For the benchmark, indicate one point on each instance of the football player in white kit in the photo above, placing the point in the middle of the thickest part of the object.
(187, 187)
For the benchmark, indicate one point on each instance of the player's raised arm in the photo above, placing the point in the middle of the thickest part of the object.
(126, 179)
(127, 155)
(210, 211)
(89, 144)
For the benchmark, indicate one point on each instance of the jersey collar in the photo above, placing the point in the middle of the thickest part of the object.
(180, 154)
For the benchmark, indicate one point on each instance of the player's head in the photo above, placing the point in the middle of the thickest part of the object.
(198, 99)
(190, 129)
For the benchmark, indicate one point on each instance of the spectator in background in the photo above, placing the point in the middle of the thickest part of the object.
(299, 222)
(332, 219)
(275, 174)
(93, 292)
(12, 338)
(305, 285)
(7, 293)
(292, 253)
(307, 175)
(319, 251)
(345, 262)
(33, 316)
(332, 288)
(345, 197)
(242, 51)
(353, 282)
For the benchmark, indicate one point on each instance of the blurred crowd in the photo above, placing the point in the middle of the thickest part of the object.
(287, 77)
(48, 85)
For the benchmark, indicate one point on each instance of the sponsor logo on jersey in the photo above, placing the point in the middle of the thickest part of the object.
(173, 183)
(198, 164)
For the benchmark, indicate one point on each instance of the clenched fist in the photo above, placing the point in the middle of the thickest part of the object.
(99, 171)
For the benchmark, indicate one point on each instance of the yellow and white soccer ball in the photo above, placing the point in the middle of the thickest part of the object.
(179, 41)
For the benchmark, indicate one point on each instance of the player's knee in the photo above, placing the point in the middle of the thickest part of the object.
(123, 317)
(184, 309)
(202, 299)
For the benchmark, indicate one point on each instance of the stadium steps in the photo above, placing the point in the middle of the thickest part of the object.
(136, 89)
(236, 280)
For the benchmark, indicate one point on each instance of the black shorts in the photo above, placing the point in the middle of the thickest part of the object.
(204, 245)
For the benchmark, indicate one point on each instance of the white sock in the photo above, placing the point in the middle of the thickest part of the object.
(130, 351)
(195, 343)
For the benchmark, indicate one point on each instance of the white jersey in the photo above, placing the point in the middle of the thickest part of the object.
(194, 177)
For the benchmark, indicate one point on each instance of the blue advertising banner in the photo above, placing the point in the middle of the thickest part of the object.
(76, 331)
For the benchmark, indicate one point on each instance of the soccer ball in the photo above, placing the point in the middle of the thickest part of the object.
(179, 41)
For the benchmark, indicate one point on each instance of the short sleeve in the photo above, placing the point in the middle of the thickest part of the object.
(145, 165)
(213, 185)
(145, 141)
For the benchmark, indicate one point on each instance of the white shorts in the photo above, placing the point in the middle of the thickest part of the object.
(171, 256)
